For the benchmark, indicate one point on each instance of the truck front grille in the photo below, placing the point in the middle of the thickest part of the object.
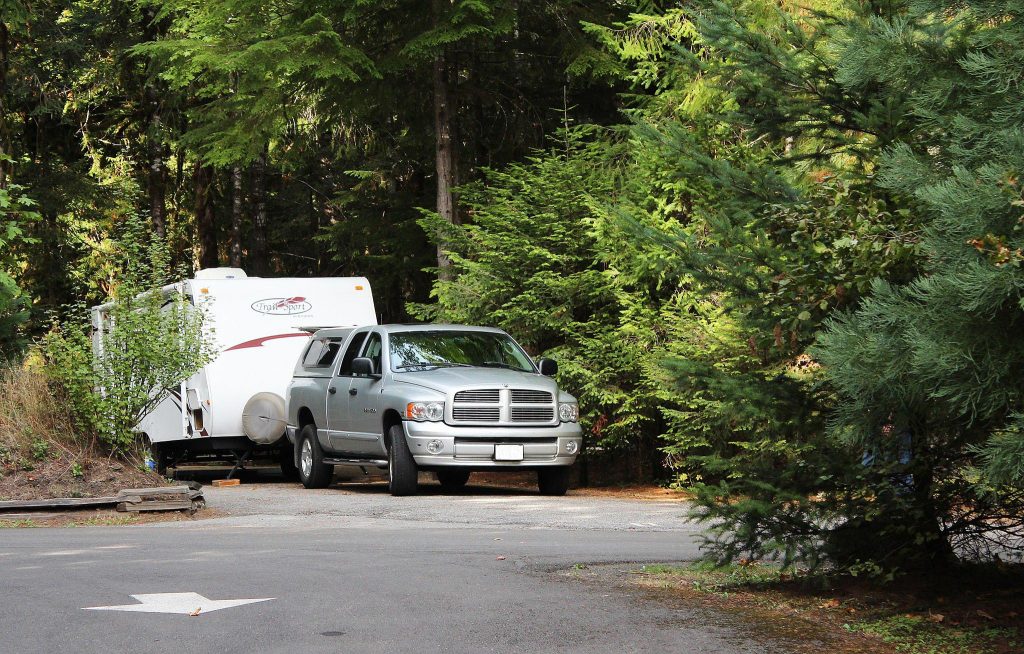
(517, 406)
(476, 413)
(483, 396)
(522, 396)
(532, 414)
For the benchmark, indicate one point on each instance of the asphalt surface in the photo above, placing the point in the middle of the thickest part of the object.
(352, 569)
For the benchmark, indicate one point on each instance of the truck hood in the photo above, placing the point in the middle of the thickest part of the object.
(447, 380)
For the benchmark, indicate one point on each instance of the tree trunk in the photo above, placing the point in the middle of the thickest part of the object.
(444, 155)
(5, 148)
(236, 216)
(258, 255)
(157, 174)
(935, 546)
(205, 223)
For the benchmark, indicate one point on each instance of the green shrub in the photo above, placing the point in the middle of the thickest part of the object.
(152, 339)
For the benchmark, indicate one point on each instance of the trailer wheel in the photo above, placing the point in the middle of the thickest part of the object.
(452, 480)
(287, 458)
(553, 481)
(159, 458)
(402, 473)
(313, 472)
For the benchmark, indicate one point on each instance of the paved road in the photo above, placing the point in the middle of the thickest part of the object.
(355, 570)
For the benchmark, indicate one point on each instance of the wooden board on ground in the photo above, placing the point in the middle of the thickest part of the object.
(57, 503)
(170, 498)
(167, 505)
(226, 482)
(167, 498)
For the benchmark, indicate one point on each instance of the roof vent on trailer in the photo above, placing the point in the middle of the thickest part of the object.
(221, 273)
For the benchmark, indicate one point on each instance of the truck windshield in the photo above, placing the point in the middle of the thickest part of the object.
(437, 349)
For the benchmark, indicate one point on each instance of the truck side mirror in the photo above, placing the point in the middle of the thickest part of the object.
(363, 367)
(548, 367)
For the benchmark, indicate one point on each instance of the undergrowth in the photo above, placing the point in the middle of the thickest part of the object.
(35, 422)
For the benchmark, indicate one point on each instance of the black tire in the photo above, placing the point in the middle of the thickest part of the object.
(287, 458)
(313, 472)
(402, 473)
(452, 480)
(553, 481)
(159, 459)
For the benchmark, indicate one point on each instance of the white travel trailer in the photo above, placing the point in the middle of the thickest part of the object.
(234, 407)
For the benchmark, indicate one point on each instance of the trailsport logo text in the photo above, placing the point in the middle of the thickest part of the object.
(282, 306)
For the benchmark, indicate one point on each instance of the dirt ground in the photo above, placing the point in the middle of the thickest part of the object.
(81, 476)
(977, 612)
(626, 491)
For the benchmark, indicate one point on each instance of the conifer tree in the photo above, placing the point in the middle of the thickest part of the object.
(941, 359)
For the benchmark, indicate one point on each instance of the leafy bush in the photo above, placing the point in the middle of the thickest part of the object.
(16, 210)
(151, 339)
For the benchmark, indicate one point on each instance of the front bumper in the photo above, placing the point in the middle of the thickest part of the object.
(473, 447)
(289, 432)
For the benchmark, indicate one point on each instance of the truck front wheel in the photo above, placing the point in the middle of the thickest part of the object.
(313, 472)
(553, 481)
(402, 474)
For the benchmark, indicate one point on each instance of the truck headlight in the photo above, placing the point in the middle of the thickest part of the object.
(430, 411)
(568, 412)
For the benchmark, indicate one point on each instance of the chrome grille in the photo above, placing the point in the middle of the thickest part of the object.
(532, 414)
(476, 413)
(489, 396)
(523, 396)
(517, 406)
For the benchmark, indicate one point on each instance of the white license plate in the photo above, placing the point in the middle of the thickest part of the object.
(508, 452)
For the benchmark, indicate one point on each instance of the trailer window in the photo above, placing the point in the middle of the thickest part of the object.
(351, 353)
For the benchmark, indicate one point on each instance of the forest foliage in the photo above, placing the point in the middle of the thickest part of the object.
(776, 247)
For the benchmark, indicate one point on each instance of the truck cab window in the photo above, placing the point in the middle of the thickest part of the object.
(351, 353)
(312, 354)
(330, 351)
(372, 351)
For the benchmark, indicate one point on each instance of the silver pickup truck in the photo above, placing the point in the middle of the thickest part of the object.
(449, 399)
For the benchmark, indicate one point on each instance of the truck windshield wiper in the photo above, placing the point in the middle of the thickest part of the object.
(437, 364)
(499, 364)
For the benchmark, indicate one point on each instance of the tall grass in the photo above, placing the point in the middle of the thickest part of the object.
(34, 417)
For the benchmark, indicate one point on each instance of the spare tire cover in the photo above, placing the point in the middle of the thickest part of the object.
(263, 418)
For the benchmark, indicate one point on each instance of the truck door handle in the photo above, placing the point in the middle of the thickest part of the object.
(353, 391)
(332, 390)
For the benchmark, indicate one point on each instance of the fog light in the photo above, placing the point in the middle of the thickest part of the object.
(435, 446)
(571, 447)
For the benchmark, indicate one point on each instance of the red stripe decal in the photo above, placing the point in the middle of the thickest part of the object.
(258, 342)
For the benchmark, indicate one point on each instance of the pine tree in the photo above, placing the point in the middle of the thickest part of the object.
(942, 358)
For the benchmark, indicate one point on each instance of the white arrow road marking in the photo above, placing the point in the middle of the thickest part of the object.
(182, 603)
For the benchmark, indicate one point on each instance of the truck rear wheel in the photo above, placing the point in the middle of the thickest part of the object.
(452, 480)
(313, 472)
(402, 473)
(553, 481)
